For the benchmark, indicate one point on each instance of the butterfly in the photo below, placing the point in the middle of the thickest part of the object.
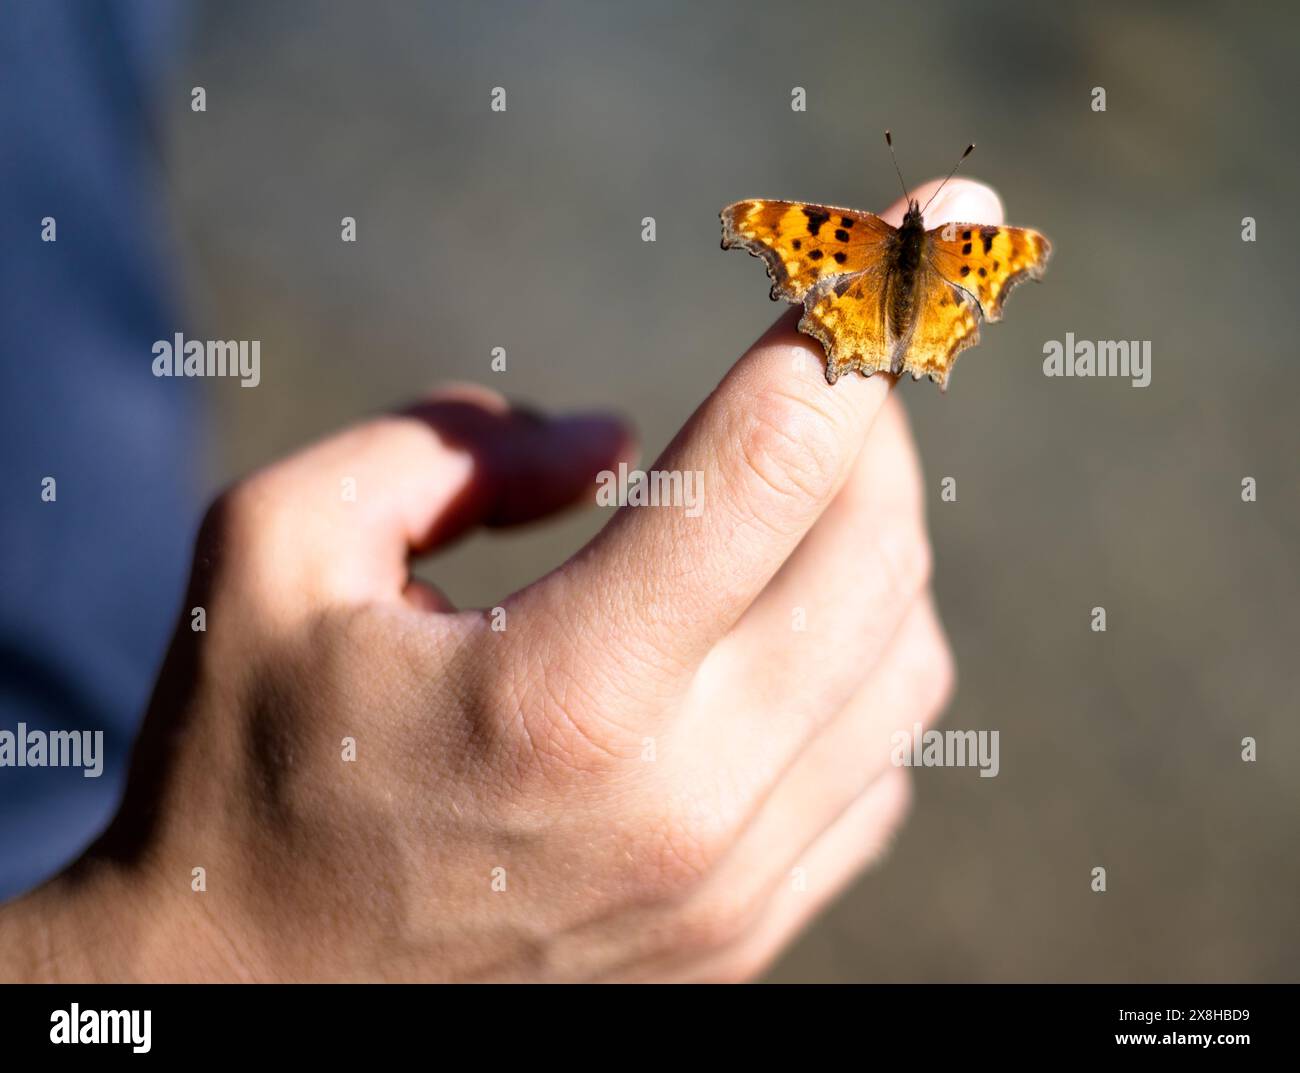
(881, 298)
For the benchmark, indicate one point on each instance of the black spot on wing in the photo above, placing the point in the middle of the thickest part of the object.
(988, 234)
(816, 255)
(816, 219)
(841, 235)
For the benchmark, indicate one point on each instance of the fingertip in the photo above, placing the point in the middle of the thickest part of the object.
(590, 441)
(962, 200)
(966, 201)
(466, 392)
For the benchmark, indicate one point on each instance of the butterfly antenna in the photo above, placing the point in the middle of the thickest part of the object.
(889, 141)
(969, 149)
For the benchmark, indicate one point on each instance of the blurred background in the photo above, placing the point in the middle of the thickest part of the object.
(522, 230)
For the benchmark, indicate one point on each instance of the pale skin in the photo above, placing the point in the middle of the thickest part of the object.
(522, 758)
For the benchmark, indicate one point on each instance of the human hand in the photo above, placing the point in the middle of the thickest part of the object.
(649, 773)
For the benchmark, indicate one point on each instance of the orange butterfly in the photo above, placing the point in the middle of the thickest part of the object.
(881, 298)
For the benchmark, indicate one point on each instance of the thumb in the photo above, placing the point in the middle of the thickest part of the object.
(522, 464)
(959, 201)
(356, 506)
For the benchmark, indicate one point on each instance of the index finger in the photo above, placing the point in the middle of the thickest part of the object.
(769, 448)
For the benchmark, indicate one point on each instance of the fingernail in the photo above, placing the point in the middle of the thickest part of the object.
(970, 201)
(593, 430)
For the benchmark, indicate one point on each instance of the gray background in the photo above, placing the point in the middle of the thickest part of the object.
(521, 230)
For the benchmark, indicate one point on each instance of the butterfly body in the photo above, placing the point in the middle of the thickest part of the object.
(903, 281)
(881, 298)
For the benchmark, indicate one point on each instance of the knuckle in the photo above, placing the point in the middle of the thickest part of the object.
(931, 670)
(230, 531)
(244, 535)
(559, 718)
(789, 444)
(679, 853)
(744, 961)
(906, 554)
(740, 969)
(944, 679)
(712, 924)
(246, 512)
(226, 516)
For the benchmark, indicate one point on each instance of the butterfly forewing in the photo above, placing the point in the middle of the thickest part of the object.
(804, 244)
(987, 261)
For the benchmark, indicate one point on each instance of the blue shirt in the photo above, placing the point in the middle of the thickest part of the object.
(91, 583)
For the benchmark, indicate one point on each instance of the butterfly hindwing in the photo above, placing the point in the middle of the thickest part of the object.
(846, 315)
(946, 322)
(986, 260)
(849, 317)
(803, 244)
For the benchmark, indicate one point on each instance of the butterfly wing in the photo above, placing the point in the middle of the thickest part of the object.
(850, 317)
(946, 322)
(804, 244)
(987, 261)
(846, 314)
(840, 264)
